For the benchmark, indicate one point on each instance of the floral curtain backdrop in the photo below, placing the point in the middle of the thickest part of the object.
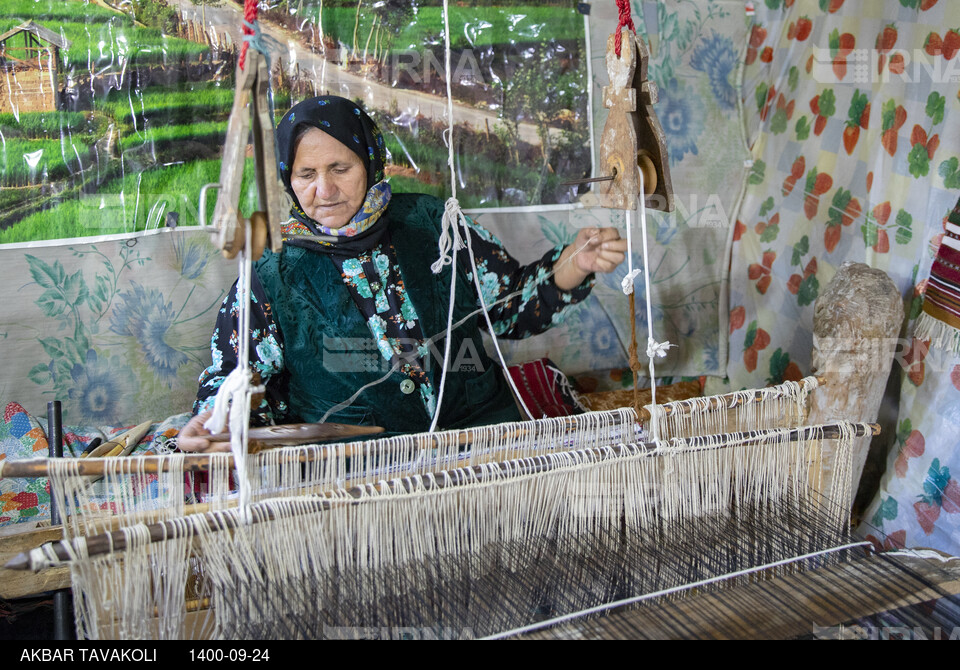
(118, 329)
(918, 504)
(851, 109)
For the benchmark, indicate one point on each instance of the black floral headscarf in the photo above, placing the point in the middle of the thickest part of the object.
(346, 122)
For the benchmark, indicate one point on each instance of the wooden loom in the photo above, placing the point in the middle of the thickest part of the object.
(198, 615)
(516, 444)
(827, 602)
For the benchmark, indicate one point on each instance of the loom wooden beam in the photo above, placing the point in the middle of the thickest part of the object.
(116, 541)
(19, 584)
(201, 462)
(726, 400)
(299, 433)
(856, 321)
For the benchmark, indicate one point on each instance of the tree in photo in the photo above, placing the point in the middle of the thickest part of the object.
(541, 89)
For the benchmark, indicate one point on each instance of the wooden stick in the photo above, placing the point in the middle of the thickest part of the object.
(294, 434)
(201, 462)
(130, 437)
(217, 521)
(590, 180)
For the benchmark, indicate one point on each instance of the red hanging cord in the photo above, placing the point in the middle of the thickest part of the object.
(626, 20)
(250, 17)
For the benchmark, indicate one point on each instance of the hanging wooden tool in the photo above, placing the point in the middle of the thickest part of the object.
(633, 138)
(251, 111)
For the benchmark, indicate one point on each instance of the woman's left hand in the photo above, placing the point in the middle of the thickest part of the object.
(194, 437)
(594, 250)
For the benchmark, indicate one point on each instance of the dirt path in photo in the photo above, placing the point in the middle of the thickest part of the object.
(228, 18)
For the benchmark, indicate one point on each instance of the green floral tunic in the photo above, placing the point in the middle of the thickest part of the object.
(521, 300)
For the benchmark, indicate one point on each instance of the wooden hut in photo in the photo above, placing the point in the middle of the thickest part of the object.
(30, 61)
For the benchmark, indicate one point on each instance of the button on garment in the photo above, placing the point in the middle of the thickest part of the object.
(407, 386)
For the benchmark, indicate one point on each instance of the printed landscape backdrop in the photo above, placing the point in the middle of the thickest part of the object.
(113, 118)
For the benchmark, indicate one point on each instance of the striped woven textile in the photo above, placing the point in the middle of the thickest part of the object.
(940, 321)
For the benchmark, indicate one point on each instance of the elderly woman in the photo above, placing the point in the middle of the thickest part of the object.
(351, 297)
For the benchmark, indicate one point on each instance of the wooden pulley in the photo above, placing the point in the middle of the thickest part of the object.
(231, 240)
(633, 139)
(250, 114)
(258, 236)
(649, 170)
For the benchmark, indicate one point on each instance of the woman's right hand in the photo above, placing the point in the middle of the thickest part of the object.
(194, 437)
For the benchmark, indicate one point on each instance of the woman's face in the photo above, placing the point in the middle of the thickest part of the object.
(328, 179)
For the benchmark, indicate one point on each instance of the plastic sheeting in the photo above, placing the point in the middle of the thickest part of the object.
(112, 119)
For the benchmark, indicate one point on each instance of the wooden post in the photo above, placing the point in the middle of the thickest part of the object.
(856, 321)
(62, 616)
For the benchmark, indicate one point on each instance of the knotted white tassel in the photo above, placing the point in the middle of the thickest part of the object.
(234, 393)
(449, 234)
(658, 349)
(232, 387)
(626, 284)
